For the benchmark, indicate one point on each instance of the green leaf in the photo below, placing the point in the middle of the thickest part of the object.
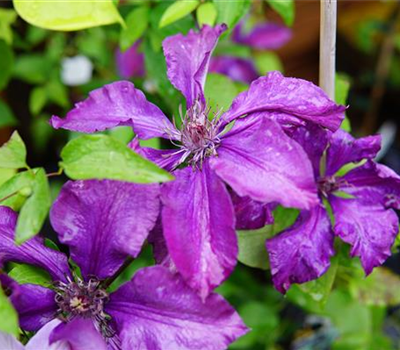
(6, 64)
(8, 316)
(267, 62)
(68, 15)
(37, 100)
(50, 244)
(136, 24)
(23, 274)
(13, 153)
(35, 209)
(7, 18)
(103, 157)
(178, 10)
(219, 92)
(230, 12)
(342, 87)
(14, 191)
(6, 174)
(32, 68)
(206, 14)
(57, 93)
(342, 194)
(7, 117)
(285, 8)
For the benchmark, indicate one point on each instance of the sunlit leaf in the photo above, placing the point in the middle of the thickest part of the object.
(178, 10)
(136, 24)
(285, 8)
(219, 92)
(266, 62)
(68, 15)
(7, 18)
(30, 274)
(13, 153)
(230, 12)
(14, 191)
(206, 14)
(8, 316)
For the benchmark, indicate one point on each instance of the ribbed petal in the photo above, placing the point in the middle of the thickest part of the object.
(188, 57)
(32, 252)
(116, 104)
(103, 222)
(9, 342)
(344, 149)
(80, 334)
(302, 252)
(199, 227)
(296, 97)
(41, 340)
(158, 311)
(257, 159)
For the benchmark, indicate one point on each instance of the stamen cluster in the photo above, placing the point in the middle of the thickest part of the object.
(327, 185)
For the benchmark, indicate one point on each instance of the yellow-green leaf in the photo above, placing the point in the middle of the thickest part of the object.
(178, 10)
(8, 316)
(13, 153)
(206, 14)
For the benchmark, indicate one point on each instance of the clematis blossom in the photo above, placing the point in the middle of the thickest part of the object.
(362, 202)
(254, 156)
(102, 223)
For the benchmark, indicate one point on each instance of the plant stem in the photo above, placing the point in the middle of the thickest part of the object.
(327, 47)
(8, 196)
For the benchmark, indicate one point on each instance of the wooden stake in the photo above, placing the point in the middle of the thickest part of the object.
(327, 47)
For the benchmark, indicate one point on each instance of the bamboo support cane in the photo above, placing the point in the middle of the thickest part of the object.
(327, 48)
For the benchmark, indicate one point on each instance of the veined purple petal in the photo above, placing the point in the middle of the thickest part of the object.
(157, 310)
(250, 214)
(32, 252)
(257, 159)
(264, 36)
(35, 304)
(130, 64)
(296, 97)
(103, 222)
(41, 340)
(236, 68)
(116, 104)
(302, 252)
(80, 334)
(368, 227)
(188, 57)
(9, 342)
(199, 227)
(344, 149)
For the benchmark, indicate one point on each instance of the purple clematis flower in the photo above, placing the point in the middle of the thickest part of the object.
(361, 200)
(255, 157)
(130, 64)
(102, 223)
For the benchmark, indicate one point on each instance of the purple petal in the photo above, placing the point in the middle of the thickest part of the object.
(296, 97)
(250, 214)
(103, 222)
(236, 68)
(188, 58)
(130, 64)
(257, 159)
(157, 310)
(368, 227)
(80, 334)
(345, 149)
(265, 36)
(35, 304)
(32, 252)
(199, 227)
(41, 340)
(9, 342)
(116, 104)
(302, 252)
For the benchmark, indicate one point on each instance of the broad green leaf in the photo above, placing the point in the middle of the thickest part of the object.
(7, 18)
(267, 62)
(178, 10)
(32, 68)
(285, 8)
(14, 191)
(6, 174)
(8, 316)
(123, 134)
(13, 153)
(23, 274)
(102, 157)
(37, 100)
(136, 24)
(252, 250)
(206, 14)
(68, 15)
(219, 92)
(6, 63)
(35, 209)
(342, 86)
(7, 117)
(230, 12)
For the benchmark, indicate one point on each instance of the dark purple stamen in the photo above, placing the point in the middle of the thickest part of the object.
(327, 185)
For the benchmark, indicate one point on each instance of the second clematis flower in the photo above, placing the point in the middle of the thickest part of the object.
(103, 223)
(254, 157)
(362, 202)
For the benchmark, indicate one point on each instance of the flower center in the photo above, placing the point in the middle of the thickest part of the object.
(327, 185)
